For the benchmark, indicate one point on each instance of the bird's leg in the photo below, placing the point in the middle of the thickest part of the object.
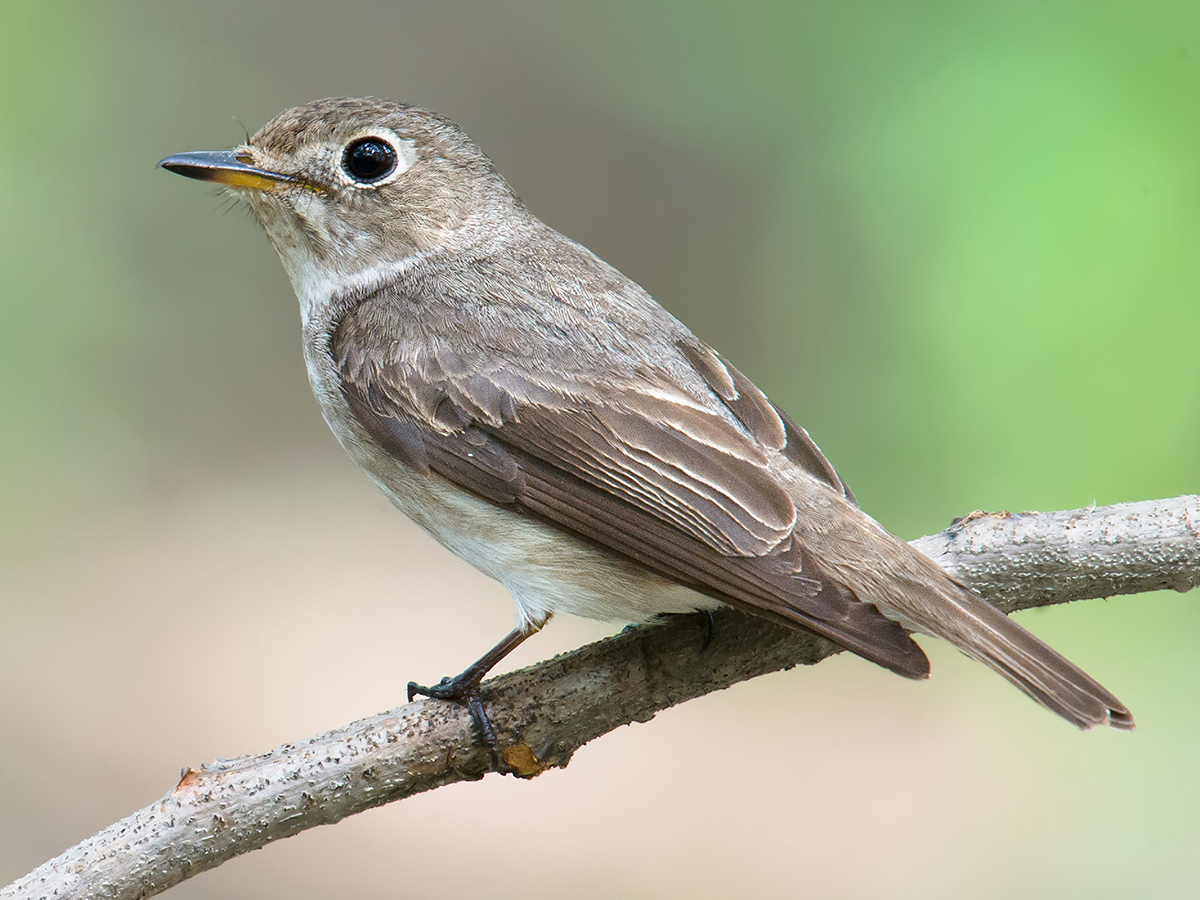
(464, 688)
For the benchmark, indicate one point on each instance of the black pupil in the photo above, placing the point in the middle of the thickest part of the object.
(369, 159)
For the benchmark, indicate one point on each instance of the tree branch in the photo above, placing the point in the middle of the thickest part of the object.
(547, 711)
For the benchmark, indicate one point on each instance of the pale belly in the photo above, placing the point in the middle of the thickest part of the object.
(545, 569)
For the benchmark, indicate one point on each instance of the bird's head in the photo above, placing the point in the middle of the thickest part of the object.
(349, 190)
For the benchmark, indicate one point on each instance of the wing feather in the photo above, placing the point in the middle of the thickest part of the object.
(667, 483)
(769, 425)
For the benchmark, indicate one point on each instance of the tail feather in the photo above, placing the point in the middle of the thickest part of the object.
(985, 634)
(845, 546)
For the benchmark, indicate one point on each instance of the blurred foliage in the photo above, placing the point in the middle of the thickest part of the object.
(959, 242)
(989, 212)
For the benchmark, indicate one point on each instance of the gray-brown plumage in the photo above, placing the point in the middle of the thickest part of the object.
(543, 417)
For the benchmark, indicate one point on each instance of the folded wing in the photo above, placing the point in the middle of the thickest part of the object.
(680, 484)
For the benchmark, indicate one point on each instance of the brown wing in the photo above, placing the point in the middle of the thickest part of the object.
(760, 417)
(652, 475)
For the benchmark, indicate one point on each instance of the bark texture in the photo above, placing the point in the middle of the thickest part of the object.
(547, 711)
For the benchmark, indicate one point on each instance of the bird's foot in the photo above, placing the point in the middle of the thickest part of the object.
(704, 616)
(464, 688)
(710, 629)
(465, 691)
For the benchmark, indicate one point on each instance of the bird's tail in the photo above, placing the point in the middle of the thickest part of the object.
(950, 611)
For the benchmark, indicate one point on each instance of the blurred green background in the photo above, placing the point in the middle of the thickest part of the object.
(959, 242)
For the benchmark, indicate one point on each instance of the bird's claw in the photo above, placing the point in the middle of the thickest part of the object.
(464, 692)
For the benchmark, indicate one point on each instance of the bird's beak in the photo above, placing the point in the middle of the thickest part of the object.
(225, 167)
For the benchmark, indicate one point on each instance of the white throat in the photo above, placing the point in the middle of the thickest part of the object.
(316, 284)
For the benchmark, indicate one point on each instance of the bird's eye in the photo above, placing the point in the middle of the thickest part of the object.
(369, 159)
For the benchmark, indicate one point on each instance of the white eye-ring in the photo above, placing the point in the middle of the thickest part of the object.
(376, 158)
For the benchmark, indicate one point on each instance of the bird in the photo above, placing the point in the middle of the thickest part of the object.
(545, 419)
